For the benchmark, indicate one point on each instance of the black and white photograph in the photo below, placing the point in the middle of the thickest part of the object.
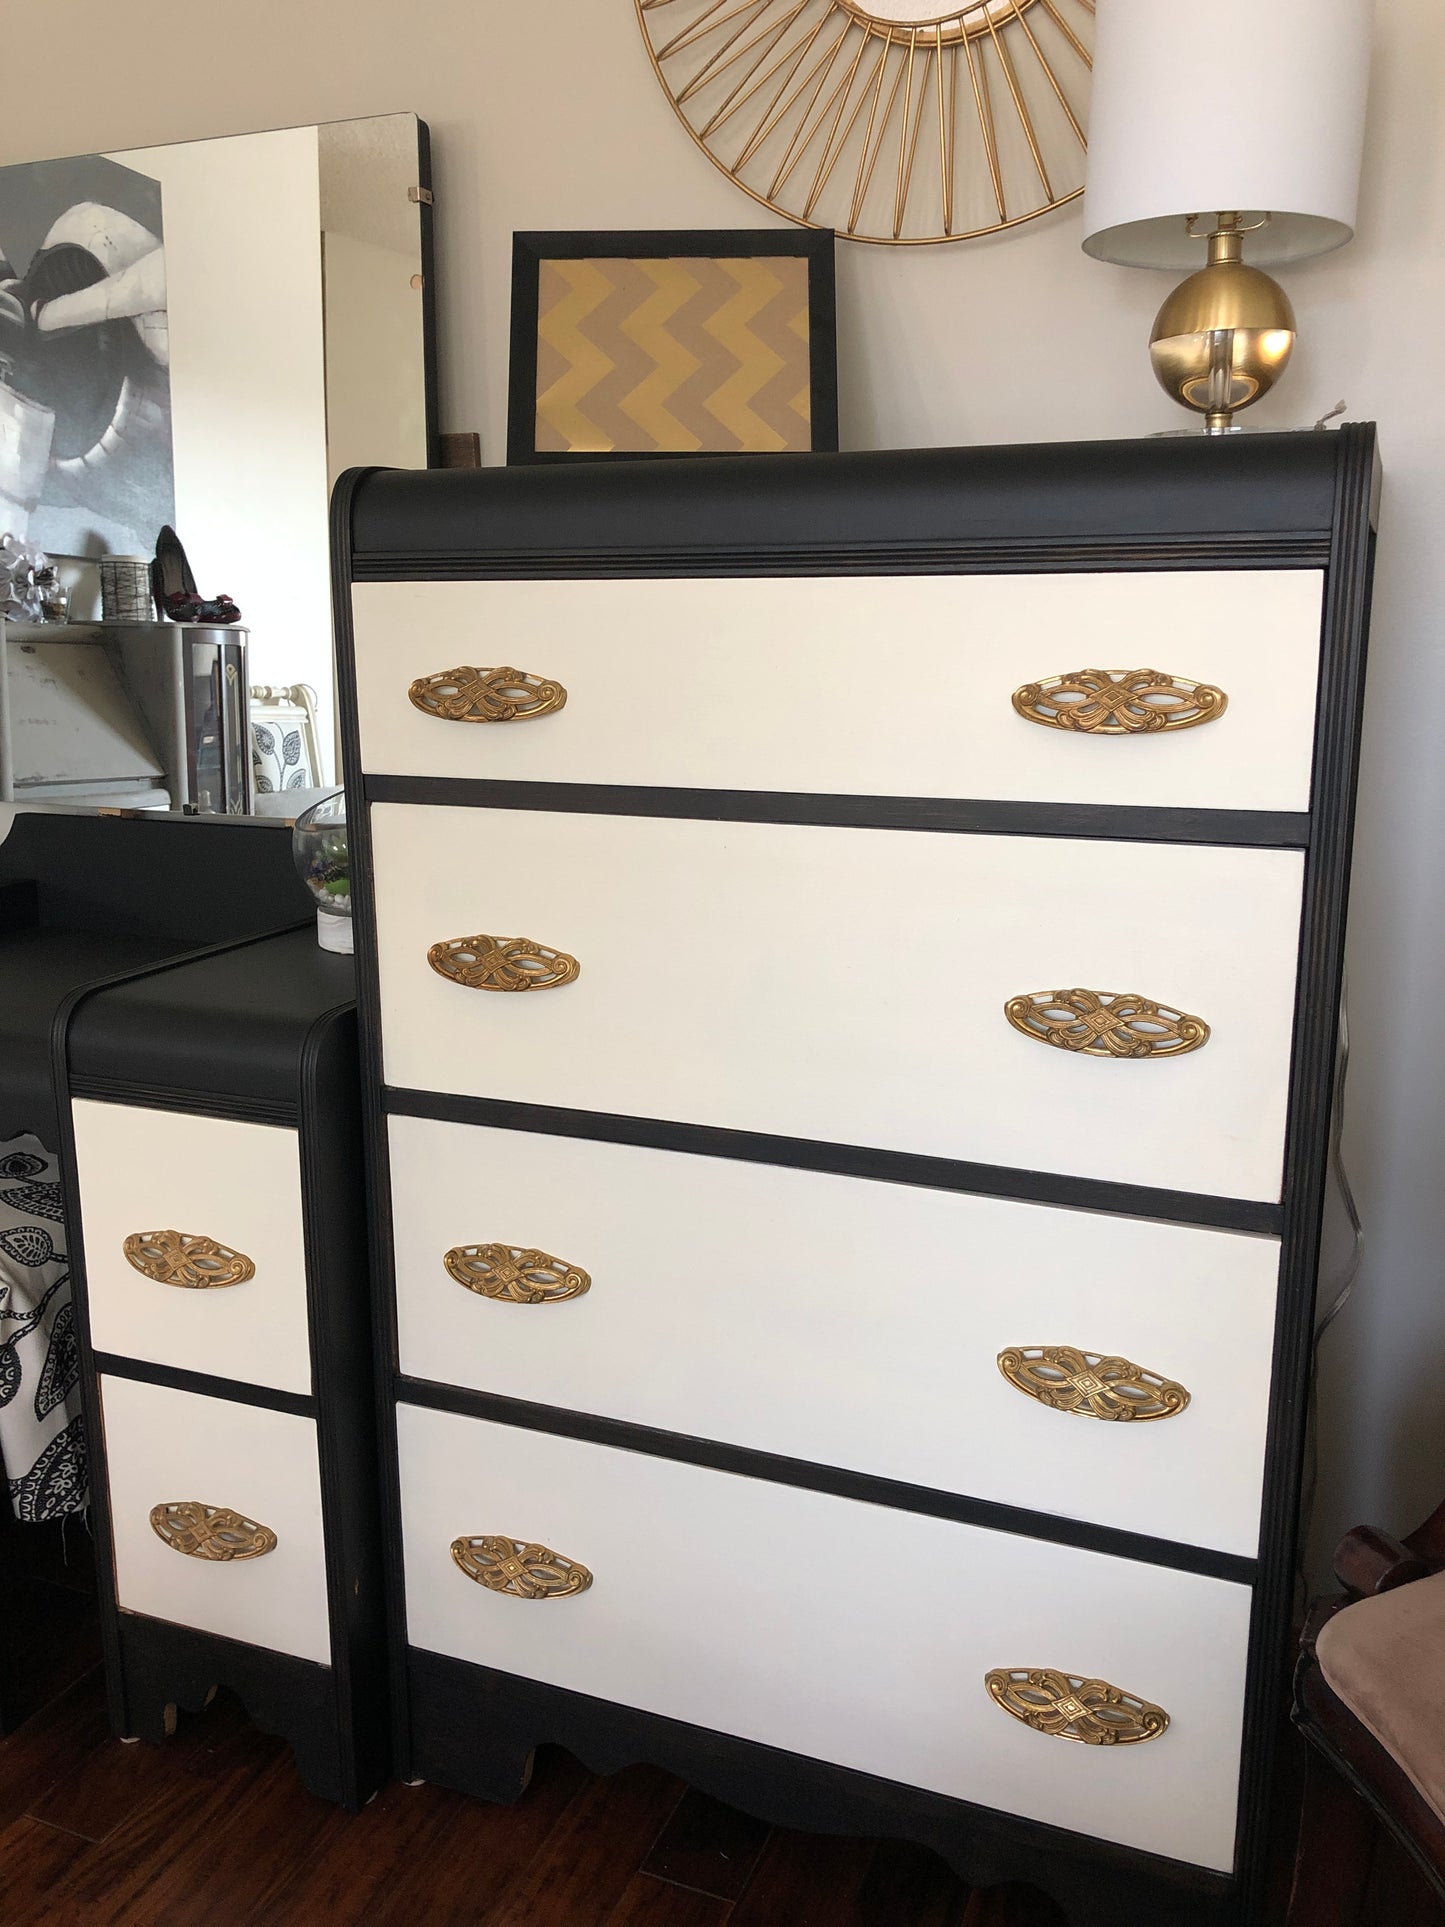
(85, 405)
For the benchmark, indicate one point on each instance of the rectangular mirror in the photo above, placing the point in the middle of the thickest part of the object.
(202, 335)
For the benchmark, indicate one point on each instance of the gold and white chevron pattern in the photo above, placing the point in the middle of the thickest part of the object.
(682, 355)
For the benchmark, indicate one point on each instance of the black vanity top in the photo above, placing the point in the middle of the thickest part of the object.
(229, 1028)
(85, 899)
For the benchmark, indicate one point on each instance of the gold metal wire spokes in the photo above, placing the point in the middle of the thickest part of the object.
(955, 21)
(886, 120)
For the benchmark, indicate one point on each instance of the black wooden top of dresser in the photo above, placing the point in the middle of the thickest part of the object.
(906, 500)
(231, 1027)
(85, 898)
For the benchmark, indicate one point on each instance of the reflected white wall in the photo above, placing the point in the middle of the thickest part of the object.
(372, 330)
(248, 389)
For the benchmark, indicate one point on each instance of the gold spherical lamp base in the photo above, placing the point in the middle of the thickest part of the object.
(1225, 336)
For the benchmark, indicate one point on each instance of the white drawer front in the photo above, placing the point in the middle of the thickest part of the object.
(849, 985)
(882, 685)
(846, 1322)
(165, 1447)
(845, 1632)
(143, 1171)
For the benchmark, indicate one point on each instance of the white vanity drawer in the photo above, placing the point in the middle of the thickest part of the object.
(144, 1171)
(845, 1632)
(168, 1448)
(850, 985)
(855, 685)
(847, 1322)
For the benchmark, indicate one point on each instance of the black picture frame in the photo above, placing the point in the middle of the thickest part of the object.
(529, 251)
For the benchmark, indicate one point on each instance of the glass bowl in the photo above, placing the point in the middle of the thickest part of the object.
(318, 842)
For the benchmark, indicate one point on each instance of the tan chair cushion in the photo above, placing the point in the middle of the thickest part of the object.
(1385, 1658)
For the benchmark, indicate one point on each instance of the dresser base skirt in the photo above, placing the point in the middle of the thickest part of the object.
(164, 1666)
(474, 1730)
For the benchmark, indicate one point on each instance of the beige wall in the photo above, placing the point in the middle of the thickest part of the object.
(546, 114)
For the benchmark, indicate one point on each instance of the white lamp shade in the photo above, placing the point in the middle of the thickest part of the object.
(1248, 106)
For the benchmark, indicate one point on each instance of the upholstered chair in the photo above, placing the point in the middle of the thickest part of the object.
(1370, 1699)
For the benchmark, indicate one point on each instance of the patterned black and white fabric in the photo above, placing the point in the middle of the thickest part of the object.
(278, 759)
(42, 1438)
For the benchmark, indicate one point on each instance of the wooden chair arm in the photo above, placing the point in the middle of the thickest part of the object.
(1427, 1542)
(1369, 1561)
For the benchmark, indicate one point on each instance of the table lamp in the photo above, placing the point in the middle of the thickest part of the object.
(1214, 134)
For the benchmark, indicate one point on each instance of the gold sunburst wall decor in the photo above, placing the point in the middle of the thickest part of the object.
(886, 121)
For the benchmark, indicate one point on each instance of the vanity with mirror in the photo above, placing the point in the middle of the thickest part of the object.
(197, 337)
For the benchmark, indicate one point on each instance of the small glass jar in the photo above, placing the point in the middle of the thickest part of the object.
(318, 842)
(52, 596)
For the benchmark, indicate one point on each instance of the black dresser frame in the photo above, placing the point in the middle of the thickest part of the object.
(1289, 501)
(296, 1067)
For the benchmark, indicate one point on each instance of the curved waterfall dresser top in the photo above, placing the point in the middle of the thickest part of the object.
(849, 958)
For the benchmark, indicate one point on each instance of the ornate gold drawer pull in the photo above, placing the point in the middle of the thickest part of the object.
(516, 1273)
(1089, 1383)
(181, 1258)
(1070, 1708)
(1106, 1023)
(210, 1531)
(469, 695)
(503, 963)
(1119, 702)
(517, 1567)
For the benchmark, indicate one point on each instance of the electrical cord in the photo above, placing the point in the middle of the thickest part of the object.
(1341, 1176)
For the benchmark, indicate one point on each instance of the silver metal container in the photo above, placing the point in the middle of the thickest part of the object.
(190, 681)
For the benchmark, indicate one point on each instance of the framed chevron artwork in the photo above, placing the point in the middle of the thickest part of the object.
(628, 346)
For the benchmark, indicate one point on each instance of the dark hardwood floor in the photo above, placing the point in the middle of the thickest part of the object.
(215, 1830)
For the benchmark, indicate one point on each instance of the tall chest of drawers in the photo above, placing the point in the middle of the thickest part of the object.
(849, 960)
